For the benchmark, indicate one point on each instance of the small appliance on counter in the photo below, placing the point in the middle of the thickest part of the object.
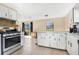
(73, 29)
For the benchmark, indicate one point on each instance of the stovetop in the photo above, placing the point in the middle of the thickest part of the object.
(9, 32)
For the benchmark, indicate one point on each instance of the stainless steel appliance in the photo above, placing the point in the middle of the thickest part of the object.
(11, 41)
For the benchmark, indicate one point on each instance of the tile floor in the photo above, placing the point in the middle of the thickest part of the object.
(30, 48)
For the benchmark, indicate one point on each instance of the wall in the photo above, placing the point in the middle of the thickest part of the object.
(6, 22)
(59, 24)
(69, 20)
(39, 25)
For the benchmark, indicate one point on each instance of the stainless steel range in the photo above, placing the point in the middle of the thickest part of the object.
(11, 41)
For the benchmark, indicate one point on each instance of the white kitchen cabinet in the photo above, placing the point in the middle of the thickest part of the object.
(43, 39)
(76, 15)
(12, 14)
(61, 41)
(0, 12)
(50, 39)
(72, 44)
(68, 44)
(53, 41)
(22, 39)
(39, 39)
(5, 12)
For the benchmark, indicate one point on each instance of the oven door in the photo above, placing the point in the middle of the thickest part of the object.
(10, 42)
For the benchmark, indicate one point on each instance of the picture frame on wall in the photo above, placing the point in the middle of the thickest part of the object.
(50, 25)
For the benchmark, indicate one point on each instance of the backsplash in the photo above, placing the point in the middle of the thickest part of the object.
(7, 23)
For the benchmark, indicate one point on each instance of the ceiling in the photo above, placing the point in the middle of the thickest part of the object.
(39, 10)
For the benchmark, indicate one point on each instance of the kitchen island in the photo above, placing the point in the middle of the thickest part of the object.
(52, 39)
(59, 40)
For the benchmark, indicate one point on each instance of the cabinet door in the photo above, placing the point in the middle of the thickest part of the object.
(12, 14)
(46, 39)
(4, 12)
(61, 42)
(0, 11)
(39, 39)
(53, 41)
(68, 43)
(76, 15)
(74, 46)
(69, 48)
(43, 39)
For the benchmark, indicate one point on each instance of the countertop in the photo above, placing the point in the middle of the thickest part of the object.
(73, 34)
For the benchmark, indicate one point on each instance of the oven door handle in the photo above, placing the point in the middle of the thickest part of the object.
(12, 37)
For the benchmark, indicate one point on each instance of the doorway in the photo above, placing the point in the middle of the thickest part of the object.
(27, 28)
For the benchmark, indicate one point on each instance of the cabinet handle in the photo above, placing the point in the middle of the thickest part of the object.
(70, 44)
(59, 39)
(6, 14)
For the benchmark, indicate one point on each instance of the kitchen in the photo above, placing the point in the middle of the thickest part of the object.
(58, 33)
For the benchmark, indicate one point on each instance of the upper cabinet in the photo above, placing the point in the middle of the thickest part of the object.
(12, 14)
(3, 12)
(6, 12)
(76, 15)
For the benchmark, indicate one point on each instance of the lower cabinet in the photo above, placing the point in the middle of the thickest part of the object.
(72, 44)
(53, 40)
(62, 41)
(43, 39)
